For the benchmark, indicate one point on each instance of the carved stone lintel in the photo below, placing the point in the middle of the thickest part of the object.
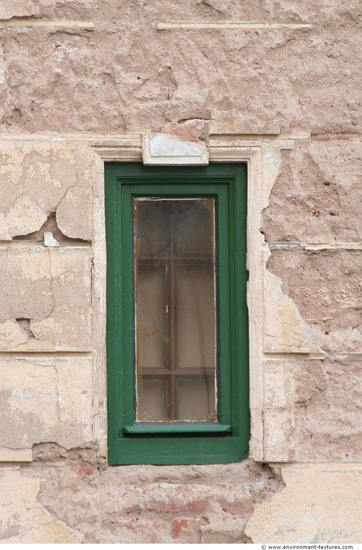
(161, 149)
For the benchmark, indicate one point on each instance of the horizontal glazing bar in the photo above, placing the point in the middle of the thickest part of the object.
(185, 372)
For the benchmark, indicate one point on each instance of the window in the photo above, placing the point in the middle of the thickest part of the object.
(177, 348)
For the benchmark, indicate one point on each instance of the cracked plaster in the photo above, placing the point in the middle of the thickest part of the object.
(52, 288)
(23, 519)
(45, 399)
(27, 169)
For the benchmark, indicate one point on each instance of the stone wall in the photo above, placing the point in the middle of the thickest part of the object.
(275, 83)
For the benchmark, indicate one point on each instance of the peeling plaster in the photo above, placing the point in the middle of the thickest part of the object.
(61, 320)
(285, 329)
(45, 399)
(23, 519)
(26, 168)
(271, 166)
(327, 508)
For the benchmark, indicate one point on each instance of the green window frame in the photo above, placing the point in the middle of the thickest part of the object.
(224, 441)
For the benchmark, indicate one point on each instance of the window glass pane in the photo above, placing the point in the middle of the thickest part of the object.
(152, 400)
(196, 338)
(151, 317)
(195, 220)
(196, 399)
(175, 308)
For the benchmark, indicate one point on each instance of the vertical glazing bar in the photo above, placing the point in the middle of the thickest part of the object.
(173, 317)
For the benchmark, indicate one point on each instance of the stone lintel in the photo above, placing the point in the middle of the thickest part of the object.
(161, 150)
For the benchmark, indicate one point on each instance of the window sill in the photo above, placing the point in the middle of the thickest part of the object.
(173, 428)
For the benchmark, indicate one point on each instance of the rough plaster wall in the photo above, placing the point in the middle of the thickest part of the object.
(186, 504)
(317, 514)
(124, 74)
(109, 70)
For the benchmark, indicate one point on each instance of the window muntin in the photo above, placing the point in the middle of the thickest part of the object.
(175, 309)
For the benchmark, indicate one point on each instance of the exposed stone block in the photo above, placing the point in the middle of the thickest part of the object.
(223, 532)
(23, 519)
(18, 8)
(326, 288)
(321, 505)
(50, 288)
(41, 177)
(233, 122)
(175, 500)
(113, 505)
(258, 73)
(186, 530)
(45, 399)
(317, 195)
(327, 414)
(312, 411)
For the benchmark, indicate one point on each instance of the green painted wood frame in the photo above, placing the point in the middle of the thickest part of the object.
(170, 443)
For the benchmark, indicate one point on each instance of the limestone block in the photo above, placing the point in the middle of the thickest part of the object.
(326, 508)
(285, 331)
(326, 288)
(317, 195)
(12, 335)
(161, 149)
(312, 411)
(45, 399)
(41, 177)
(23, 519)
(15, 455)
(279, 385)
(45, 299)
(278, 427)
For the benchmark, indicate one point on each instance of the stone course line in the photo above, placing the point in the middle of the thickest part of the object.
(229, 25)
(43, 23)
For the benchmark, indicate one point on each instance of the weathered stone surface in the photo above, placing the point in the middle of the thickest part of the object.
(151, 77)
(23, 519)
(232, 122)
(326, 288)
(318, 193)
(41, 177)
(18, 8)
(45, 399)
(166, 150)
(148, 504)
(285, 331)
(312, 411)
(51, 290)
(327, 414)
(318, 505)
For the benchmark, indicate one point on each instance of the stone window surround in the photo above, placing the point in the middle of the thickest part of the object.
(221, 149)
